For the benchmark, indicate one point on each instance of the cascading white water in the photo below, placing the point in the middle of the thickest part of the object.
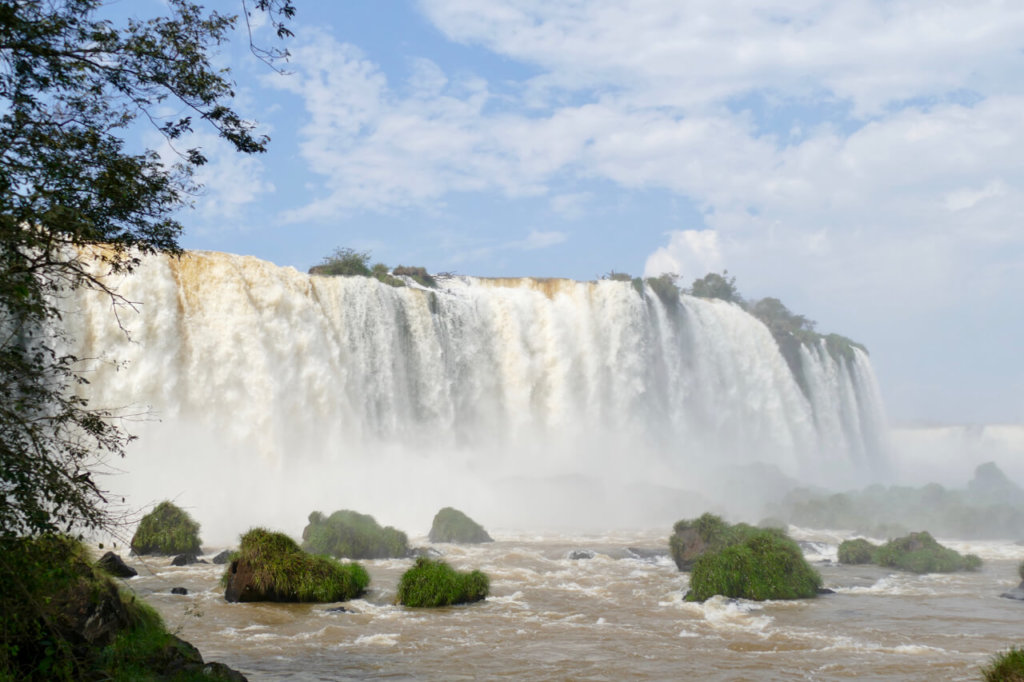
(546, 400)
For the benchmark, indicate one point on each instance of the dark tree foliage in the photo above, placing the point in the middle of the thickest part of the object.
(713, 285)
(76, 204)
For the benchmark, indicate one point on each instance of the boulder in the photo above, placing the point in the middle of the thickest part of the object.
(1016, 593)
(578, 554)
(115, 566)
(184, 560)
(179, 590)
(223, 557)
(352, 535)
(451, 525)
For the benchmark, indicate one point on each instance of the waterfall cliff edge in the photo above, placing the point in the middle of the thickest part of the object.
(265, 393)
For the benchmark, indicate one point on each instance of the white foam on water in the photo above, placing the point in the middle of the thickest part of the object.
(377, 640)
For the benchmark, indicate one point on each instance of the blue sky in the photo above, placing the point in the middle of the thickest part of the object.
(861, 160)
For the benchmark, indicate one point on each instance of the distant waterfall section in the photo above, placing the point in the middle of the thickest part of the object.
(250, 372)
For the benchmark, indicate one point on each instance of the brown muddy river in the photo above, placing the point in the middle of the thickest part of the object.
(612, 617)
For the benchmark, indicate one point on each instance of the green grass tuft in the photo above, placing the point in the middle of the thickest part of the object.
(281, 568)
(764, 564)
(1006, 667)
(353, 535)
(434, 583)
(856, 551)
(167, 529)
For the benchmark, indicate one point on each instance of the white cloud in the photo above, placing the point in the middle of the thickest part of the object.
(539, 239)
(697, 53)
(892, 174)
(230, 181)
(689, 253)
(571, 206)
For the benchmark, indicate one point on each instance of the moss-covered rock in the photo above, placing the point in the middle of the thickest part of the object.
(763, 564)
(920, 553)
(64, 619)
(168, 529)
(451, 525)
(272, 567)
(693, 537)
(916, 552)
(856, 551)
(434, 583)
(349, 534)
(1005, 667)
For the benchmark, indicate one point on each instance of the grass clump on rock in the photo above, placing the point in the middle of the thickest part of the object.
(763, 564)
(920, 553)
(63, 618)
(168, 529)
(353, 535)
(272, 567)
(451, 525)
(1006, 667)
(856, 551)
(432, 583)
(916, 552)
(708, 533)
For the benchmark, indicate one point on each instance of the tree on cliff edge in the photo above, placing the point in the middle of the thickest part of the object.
(76, 203)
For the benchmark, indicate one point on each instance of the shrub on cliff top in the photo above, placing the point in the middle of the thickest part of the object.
(344, 262)
(434, 583)
(765, 564)
(451, 525)
(417, 273)
(167, 529)
(346, 533)
(283, 572)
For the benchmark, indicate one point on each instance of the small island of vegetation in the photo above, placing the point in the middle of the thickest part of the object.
(352, 535)
(271, 567)
(916, 552)
(741, 561)
(168, 529)
(432, 583)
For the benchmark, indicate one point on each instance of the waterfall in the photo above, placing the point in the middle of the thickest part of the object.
(282, 393)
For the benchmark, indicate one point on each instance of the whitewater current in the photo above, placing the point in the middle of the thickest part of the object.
(618, 615)
(260, 393)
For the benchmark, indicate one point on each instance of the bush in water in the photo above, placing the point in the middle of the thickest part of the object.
(434, 583)
(708, 533)
(276, 569)
(167, 529)
(346, 533)
(920, 553)
(451, 525)
(1006, 667)
(856, 551)
(764, 564)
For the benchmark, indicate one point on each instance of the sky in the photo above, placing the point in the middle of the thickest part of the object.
(860, 160)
